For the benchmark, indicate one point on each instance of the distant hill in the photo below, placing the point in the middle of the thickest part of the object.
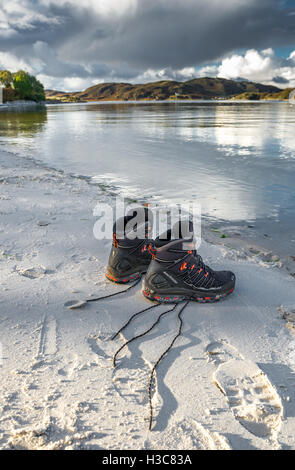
(198, 88)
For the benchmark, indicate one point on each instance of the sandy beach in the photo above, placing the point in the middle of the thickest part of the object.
(227, 384)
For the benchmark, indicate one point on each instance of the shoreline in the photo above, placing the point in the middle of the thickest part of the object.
(56, 102)
(251, 249)
(19, 105)
(30, 105)
(59, 389)
(220, 233)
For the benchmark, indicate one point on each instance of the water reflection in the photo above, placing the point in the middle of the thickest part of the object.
(231, 157)
(15, 123)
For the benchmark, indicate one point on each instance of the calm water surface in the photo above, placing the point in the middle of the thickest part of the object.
(236, 159)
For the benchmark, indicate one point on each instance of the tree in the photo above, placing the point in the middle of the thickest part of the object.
(28, 87)
(22, 84)
(38, 93)
(6, 78)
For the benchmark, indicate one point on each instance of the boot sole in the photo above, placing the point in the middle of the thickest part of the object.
(124, 279)
(180, 298)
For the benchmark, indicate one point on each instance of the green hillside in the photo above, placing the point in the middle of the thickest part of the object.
(199, 88)
(280, 95)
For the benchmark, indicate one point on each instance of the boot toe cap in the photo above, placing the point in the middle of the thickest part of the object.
(226, 277)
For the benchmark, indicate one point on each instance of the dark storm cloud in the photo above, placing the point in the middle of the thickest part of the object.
(183, 33)
(86, 38)
(281, 80)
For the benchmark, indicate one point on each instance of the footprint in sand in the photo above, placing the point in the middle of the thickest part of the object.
(252, 398)
(47, 344)
(186, 434)
(33, 273)
(221, 351)
(67, 371)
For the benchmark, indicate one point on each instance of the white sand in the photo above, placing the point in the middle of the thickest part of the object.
(228, 383)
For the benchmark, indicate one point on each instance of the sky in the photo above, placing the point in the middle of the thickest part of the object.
(73, 44)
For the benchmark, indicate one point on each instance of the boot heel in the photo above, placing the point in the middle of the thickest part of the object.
(123, 280)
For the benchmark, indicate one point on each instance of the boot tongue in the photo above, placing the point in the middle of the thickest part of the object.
(181, 236)
(183, 230)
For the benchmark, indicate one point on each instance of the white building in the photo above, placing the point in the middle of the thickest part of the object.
(1, 95)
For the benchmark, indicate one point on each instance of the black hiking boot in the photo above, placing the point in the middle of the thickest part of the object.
(178, 273)
(132, 248)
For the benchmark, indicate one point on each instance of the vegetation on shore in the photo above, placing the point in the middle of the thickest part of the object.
(281, 95)
(21, 86)
(199, 88)
(53, 96)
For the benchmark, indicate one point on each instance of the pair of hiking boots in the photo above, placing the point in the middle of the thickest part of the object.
(174, 271)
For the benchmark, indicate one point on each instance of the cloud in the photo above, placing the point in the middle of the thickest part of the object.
(257, 66)
(13, 63)
(131, 40)
(150, 75)
(280, 80)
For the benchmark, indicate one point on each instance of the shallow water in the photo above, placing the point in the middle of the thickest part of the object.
(236, 159)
